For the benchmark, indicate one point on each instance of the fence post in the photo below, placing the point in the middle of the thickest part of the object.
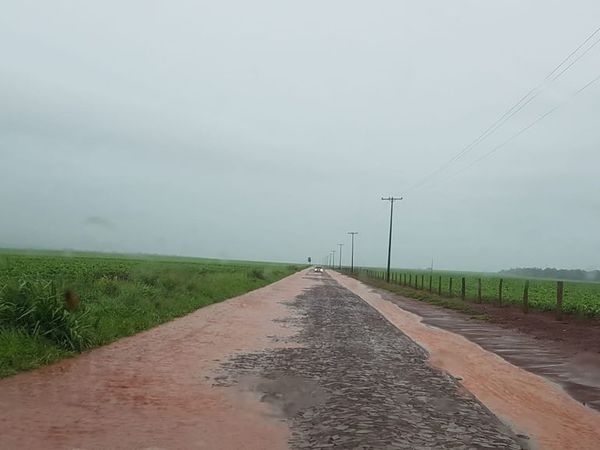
(416, 281)
(440, 286)
(450, 287)
(410, 279)
(526, 297)
(430, 283)
(422, 281)
(560, 290)
(463, 288)
(479, 290)
(500, 292)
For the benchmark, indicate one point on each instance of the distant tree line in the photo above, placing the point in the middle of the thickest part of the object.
(556, 274)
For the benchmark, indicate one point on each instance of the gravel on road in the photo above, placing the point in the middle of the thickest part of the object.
(353, 380)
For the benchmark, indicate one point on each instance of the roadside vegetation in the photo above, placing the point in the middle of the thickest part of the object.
(579, 298)
(53, 306)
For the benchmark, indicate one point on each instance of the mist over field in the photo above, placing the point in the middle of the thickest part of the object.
(267, 130)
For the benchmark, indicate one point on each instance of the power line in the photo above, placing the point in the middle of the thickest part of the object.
(527, 127)
(518, 106)
(535, 122)
(581, 55)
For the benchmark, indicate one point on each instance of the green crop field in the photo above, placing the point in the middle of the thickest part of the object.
(53, 305)
(580, 298)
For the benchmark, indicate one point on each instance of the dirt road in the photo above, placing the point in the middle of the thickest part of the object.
(303, 363)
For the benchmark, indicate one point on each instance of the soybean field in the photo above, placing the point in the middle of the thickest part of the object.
(54, 305)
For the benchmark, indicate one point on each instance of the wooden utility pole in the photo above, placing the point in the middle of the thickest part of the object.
(389, 258)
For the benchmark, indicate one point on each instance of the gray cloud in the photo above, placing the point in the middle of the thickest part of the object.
(267, 130)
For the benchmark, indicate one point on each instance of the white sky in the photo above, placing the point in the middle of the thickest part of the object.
(266, 130)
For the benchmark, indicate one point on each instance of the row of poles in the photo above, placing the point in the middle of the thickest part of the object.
(331, 256)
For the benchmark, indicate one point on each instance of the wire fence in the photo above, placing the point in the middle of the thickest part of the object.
(561, 296)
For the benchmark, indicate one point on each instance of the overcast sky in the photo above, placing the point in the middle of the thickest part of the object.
(266, 130)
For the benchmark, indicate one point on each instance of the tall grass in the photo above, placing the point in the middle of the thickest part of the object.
(38, 309)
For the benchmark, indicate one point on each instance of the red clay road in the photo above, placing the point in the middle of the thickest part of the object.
(156, 390)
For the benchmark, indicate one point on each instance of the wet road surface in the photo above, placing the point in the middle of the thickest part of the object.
(303, 363)
(358, 382)
(578, 374)
(530, 403)
(155, 390)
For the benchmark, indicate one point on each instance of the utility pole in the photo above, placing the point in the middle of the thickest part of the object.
(352, 233)
(340, 256)
(391, 200)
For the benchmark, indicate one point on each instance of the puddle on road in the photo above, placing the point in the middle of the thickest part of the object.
(285, 394)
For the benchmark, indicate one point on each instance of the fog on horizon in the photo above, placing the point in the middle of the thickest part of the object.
(268, 130)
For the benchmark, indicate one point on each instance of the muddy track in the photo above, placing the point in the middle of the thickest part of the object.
(356, 381)
(311, 361)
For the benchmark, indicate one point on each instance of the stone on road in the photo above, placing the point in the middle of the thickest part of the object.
(356, 381)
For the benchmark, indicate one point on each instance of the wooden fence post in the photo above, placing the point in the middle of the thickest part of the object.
(560, 290)
(463, 288)
(430, 283)
(526, 297)
(422, 281)
(450, 287)
(500, 292)
(479, 290)
(410, 279)
(440, 286)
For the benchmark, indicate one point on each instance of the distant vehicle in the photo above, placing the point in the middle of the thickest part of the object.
(319, 269)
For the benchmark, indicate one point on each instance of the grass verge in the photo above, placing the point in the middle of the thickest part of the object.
(54, 306)
(455, 304)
